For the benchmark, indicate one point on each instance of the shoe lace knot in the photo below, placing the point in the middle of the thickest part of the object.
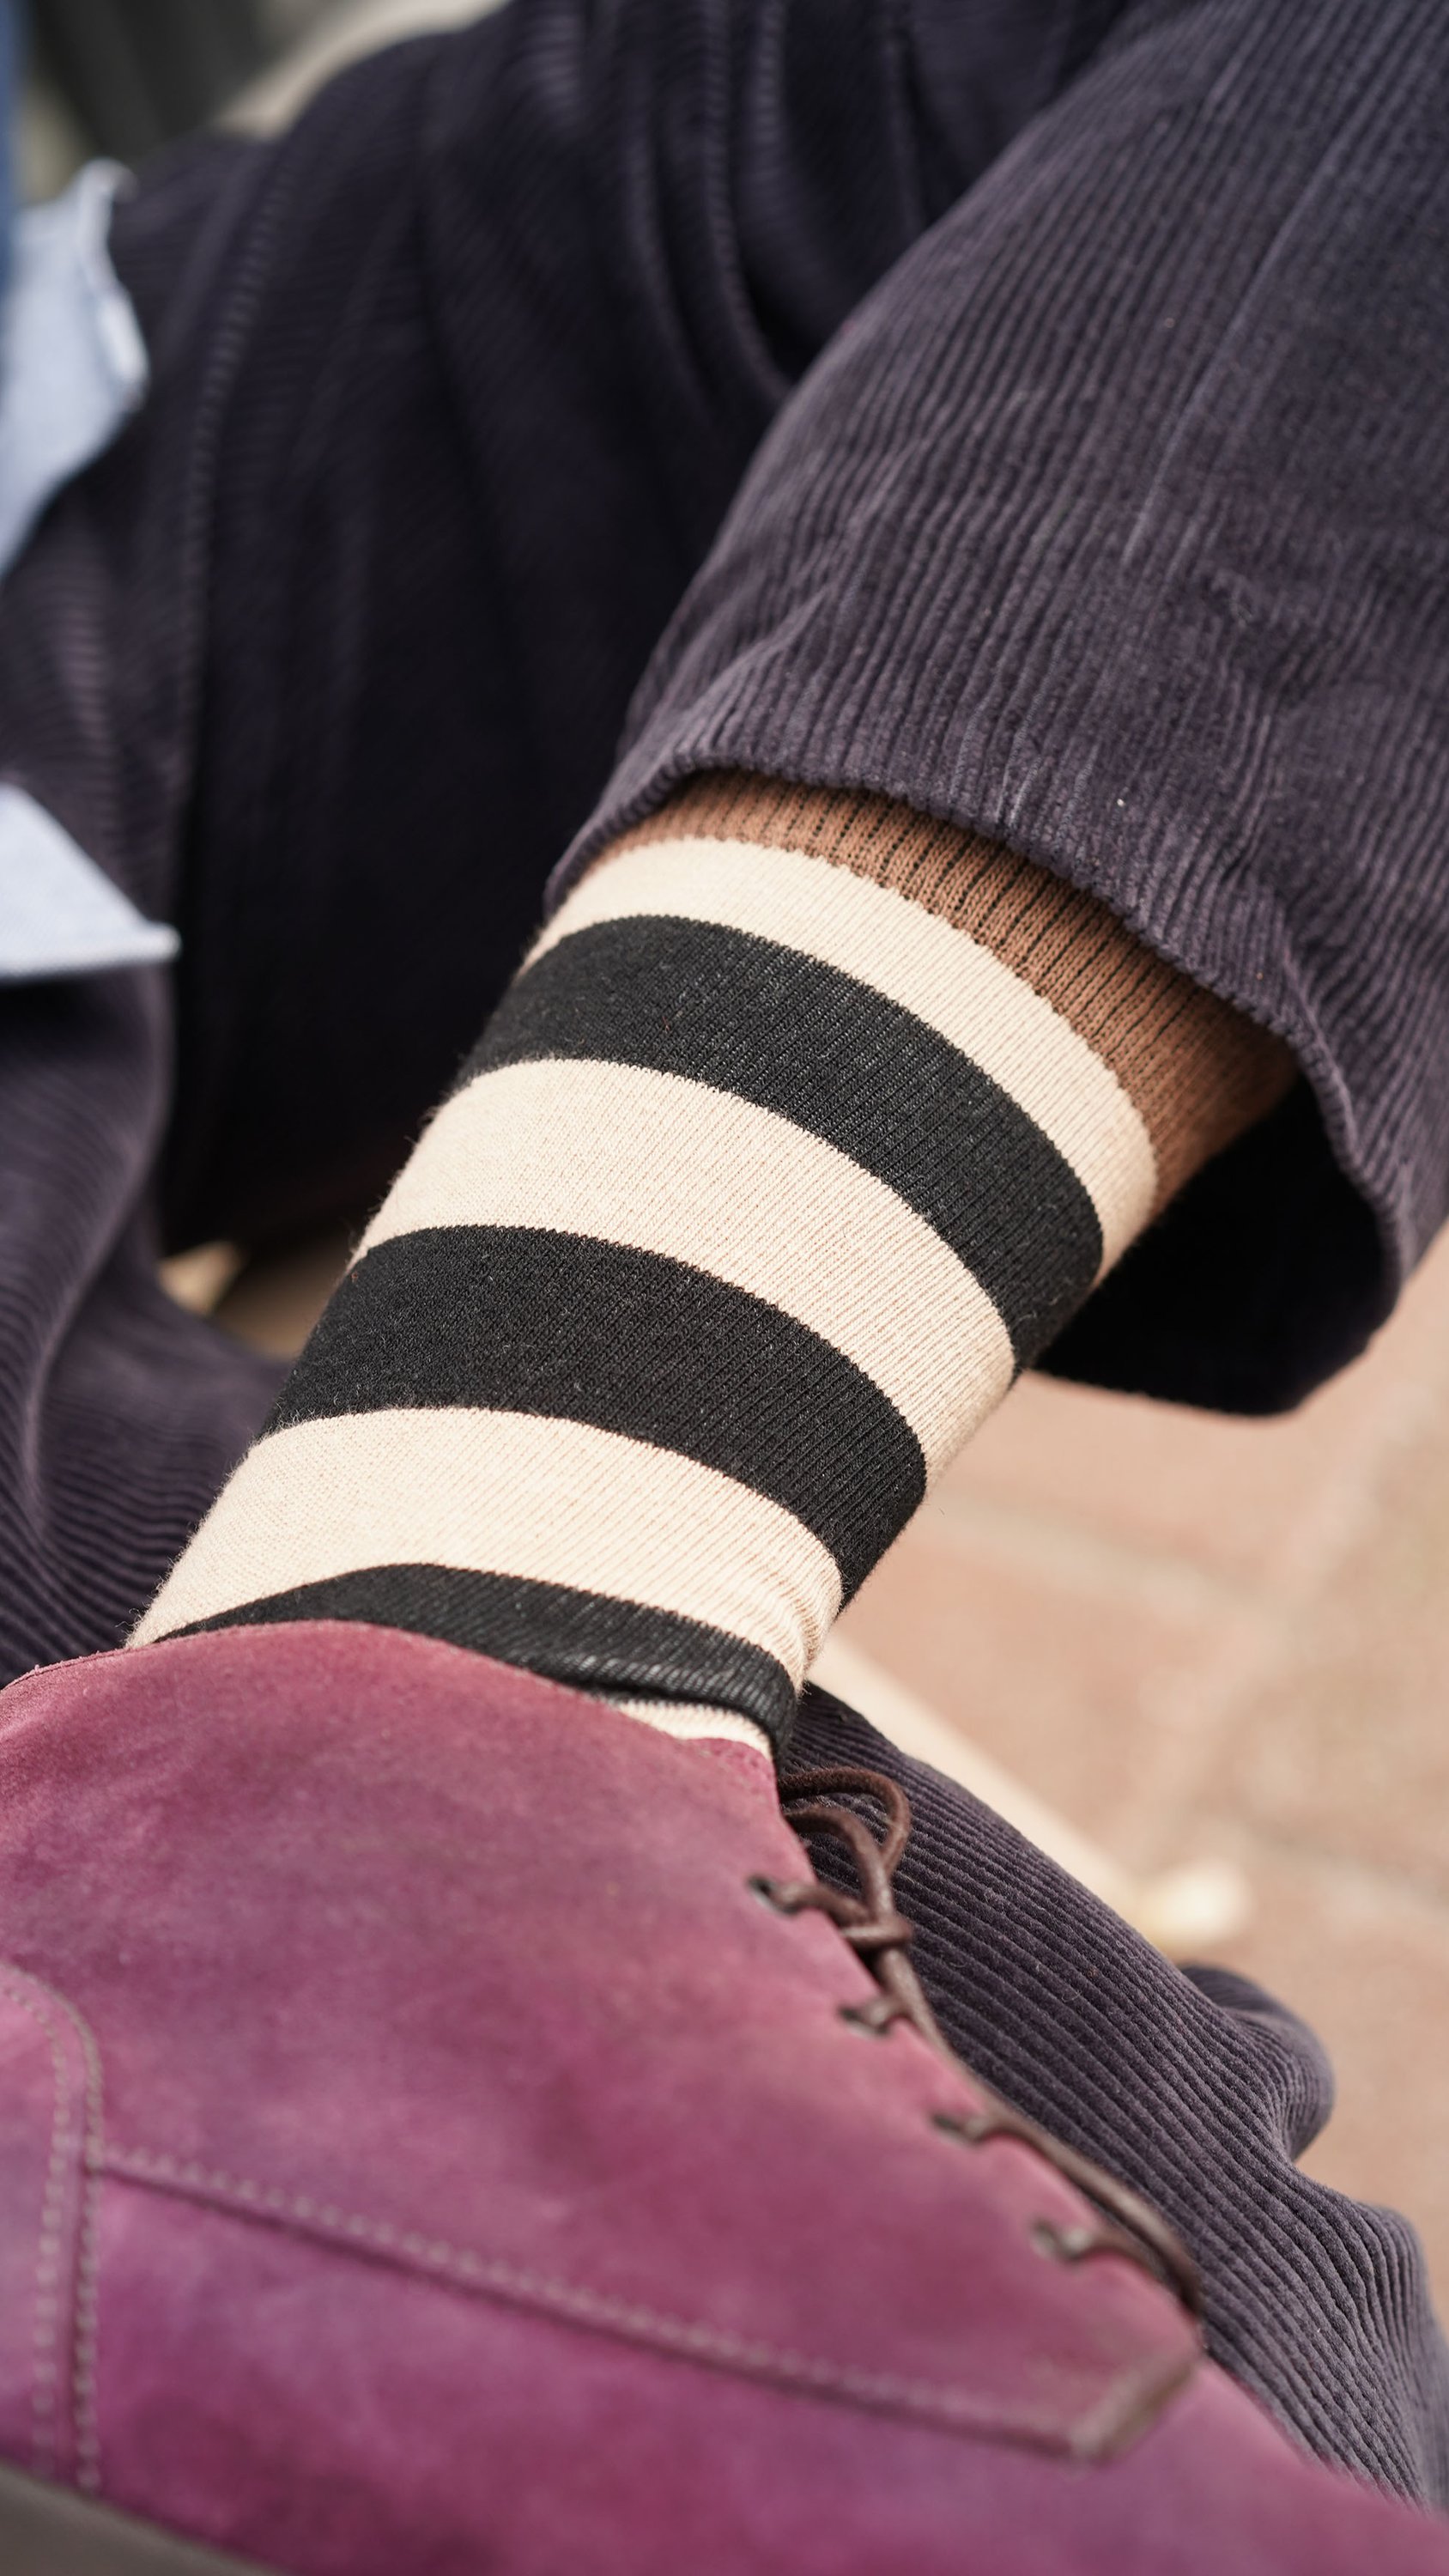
(872, 1924)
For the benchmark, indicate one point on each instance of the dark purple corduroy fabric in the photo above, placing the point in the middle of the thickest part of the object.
(1111, 520)
(1130, 552)
(119, 1414)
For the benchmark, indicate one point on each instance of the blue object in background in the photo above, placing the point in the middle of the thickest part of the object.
(72, 369)
(7, 132)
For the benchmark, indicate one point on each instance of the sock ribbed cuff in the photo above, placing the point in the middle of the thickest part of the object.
(1199, 1072)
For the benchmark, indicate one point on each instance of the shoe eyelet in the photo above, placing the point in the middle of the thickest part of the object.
(874, 2019)
(967, 2128)
(769, 1892)
(1064, 2244)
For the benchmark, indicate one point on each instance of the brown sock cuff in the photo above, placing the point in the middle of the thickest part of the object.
(1197, 1070)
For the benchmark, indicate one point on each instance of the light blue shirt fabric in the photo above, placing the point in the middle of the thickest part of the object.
(72, 369)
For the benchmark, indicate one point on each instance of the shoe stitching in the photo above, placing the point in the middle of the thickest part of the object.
(1130, 2390)
(45, 2337)
(51, 2013)
(88, 2289)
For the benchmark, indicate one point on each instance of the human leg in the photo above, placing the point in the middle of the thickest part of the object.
(601, 1394)
(327, 659)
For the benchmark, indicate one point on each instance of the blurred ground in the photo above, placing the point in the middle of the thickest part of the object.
(1191, 1638)
(1201, 1636)
(118, 77)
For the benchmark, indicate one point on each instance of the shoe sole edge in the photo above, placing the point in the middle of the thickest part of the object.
(49, 2530)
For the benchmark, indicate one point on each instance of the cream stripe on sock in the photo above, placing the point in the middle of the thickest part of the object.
(959, 988)
(514, 1494)
(642, 1158)
(689, 1722)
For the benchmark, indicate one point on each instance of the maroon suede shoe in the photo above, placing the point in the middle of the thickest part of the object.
(444, 2130)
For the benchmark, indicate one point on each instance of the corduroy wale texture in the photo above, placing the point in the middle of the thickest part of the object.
(768, 1175)
(1129, 558)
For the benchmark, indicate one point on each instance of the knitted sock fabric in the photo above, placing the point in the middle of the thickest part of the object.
(807, 1124)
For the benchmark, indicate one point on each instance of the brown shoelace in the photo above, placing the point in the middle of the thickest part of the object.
(880, 1936)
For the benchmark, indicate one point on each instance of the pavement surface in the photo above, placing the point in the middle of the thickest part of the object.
(1202, 1638)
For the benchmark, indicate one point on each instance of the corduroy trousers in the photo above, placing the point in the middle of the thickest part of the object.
(1033, 409)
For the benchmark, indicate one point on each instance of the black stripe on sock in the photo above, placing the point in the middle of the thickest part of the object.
(583, 1638)
(747, 1016)
(528, 1320)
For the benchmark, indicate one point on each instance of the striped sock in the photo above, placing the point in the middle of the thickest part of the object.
(807, 1123)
